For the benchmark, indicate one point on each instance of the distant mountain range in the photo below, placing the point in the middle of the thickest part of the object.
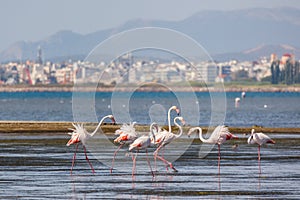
(242, 34)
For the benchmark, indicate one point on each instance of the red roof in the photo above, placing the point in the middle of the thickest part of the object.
(287, 55)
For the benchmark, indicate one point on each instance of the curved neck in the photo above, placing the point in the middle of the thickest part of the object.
(99, 124)
(200, 135)
(180, 128)
(169, 119)
(151, 131)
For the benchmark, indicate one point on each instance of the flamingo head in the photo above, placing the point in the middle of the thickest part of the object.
(78, 134)
(176, 109)
(112, 119)
(181, 120)
(192, 130)
(252, 131)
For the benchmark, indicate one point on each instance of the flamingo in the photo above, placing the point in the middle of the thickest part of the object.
(160, 134)
(80, 134)
(167, 139)
(220, 135)
(169, 115)
(127, 135)
(143, 142)
(260, 139)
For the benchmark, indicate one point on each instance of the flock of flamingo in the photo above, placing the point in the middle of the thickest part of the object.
(158, 138)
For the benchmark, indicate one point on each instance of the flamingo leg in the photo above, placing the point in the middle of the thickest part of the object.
(163, 151)
(167, 163)
(155, 165)
(134, 164)
(219, 158)
(113, 160)
(259, 160)
(74, 158)
(149, 163)
(87, 159)
(161, 158)
(258, 152)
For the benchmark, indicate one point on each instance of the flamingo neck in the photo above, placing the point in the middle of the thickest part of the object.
(151, 131)
(99, 124)
(169, 119)
(180, 128)
(201, 136)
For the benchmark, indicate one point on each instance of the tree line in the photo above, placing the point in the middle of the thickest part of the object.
(289, 74)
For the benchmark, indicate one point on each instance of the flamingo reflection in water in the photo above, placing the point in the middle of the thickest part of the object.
(81, 135)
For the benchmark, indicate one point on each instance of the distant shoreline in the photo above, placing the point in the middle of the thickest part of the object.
(63, 126)
(232, 88)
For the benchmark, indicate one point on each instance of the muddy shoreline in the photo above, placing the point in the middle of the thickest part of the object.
(49, 127)
(71, 88)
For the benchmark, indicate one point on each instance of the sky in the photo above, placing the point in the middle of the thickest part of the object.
(33, 20)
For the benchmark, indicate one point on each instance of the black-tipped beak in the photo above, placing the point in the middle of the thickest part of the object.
(178, 111)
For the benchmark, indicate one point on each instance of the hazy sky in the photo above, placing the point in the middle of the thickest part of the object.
(32, 20)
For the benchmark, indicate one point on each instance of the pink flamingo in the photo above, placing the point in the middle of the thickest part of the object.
(160, 134)
(127, 135)
(220, 135)
(143, 142)
(167, 139)
(260, 139)
(80, 134)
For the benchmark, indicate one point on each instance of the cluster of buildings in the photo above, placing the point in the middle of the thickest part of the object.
(130, 70)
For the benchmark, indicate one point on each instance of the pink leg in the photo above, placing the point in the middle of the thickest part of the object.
(156, 155)
(258, 152)
(167, 163)
(219, 158)
(155, 163)
(86, 157)
(74, 158)
(259, 159)
(112, 164)
(149, 162)
(134, 164)
(163, 151)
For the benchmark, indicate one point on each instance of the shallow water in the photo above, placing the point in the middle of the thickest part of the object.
(268, 109)
(37, 166)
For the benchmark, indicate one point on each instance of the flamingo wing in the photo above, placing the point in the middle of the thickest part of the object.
(261, 138)
(139, 143)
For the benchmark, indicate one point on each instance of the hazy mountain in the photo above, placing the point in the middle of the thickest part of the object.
(219, 32)
(258, 52)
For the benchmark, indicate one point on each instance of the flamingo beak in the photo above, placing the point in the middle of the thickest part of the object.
(183, 122)
(178, 111)
(113, 121)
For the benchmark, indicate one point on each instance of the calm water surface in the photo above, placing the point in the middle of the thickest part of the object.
(258, 108)
(37, 166)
